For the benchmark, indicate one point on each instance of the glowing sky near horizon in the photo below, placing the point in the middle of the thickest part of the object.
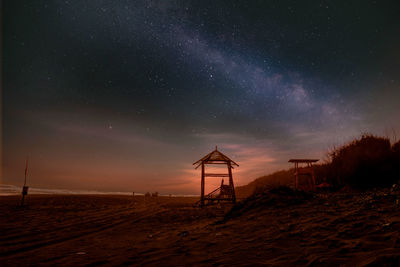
(126, 95)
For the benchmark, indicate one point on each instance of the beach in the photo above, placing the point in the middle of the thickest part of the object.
(326, 230)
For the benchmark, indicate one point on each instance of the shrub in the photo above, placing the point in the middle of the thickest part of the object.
(364, 163)
(396, 148)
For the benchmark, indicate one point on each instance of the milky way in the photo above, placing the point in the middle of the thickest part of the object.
(125, 95)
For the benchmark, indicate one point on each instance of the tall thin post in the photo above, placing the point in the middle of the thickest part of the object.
(25, 188)
(202, 185)
(26, 169)
(295, 174)
(231, 182)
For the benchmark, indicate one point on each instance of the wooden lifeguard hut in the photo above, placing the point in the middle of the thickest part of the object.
(224, 192)
(304, 171)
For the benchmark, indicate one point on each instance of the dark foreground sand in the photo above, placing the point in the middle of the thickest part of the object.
(334, 229)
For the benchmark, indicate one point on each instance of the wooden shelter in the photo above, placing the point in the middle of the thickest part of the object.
(305, 171)
(224, 192)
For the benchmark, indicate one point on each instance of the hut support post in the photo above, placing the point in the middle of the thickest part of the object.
(202, 185)
(231, 182)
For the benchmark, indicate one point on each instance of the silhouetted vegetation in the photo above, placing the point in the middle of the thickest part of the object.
(396, 151)
(367, 162)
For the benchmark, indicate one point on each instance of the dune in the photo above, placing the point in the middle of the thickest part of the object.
(283, 177)
(273, 228)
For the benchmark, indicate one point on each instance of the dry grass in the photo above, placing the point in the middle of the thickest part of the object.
(367, 162)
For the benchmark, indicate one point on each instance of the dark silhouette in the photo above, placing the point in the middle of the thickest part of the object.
(367, 162)
(364, 163)
(224, 192)
(25, 188)
(307, 172)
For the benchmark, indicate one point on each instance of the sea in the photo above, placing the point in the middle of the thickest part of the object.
(9, 190)
(12, 190)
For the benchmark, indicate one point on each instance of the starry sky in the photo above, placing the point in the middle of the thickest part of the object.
(125, 95)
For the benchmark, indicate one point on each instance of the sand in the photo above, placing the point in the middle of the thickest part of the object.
(353, 229)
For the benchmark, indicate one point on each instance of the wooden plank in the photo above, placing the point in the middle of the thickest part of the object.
(226, 199)
(216, 175)
(305, 170)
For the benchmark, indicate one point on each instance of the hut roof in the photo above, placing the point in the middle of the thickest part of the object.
(303, 160)
(215, 157)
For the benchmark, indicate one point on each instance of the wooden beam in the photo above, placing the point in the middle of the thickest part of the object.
(216, 175)
(218, 198)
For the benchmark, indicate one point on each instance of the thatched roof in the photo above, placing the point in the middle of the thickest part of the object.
(215, 157)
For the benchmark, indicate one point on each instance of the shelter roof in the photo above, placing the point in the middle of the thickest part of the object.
(303, 160)
(215, 157)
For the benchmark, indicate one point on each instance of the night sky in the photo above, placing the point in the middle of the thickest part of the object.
(126, 95)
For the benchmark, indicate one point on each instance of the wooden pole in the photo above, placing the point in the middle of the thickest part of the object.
(202, 185)
(296, 174)
(25, 188)
(231, 182)
(26, 169)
